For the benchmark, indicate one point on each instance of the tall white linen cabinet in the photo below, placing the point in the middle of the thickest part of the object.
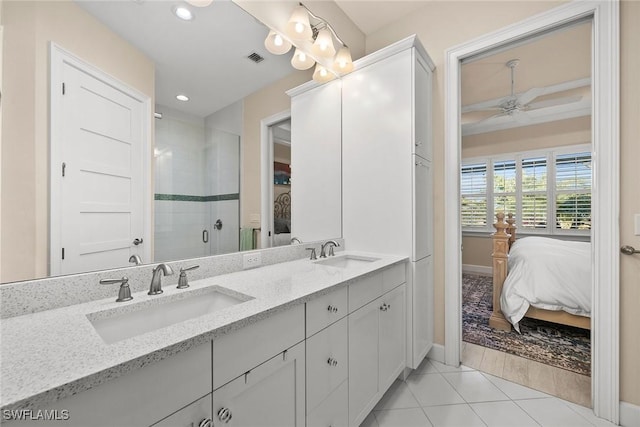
(386, 137)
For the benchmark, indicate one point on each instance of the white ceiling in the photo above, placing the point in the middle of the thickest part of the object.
(206, 58)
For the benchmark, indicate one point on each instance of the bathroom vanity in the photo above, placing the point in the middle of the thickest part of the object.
(301, 343)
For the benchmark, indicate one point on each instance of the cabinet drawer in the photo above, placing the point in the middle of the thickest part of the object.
(364, 291)
(140, 397)
(190, 416)
(241, 350)
(326, 362)
(325, 310)
(333, 411)
(393, 276)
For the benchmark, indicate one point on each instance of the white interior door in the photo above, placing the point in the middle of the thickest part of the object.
(100, 197)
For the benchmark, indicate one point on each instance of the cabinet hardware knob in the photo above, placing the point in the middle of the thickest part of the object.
(418, 144)
(207, 422)
(384, 307)
(137, 241)
(332, 362)
(332, 309)
(224, 415)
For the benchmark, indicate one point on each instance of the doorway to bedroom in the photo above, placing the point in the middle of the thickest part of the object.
(526, 152)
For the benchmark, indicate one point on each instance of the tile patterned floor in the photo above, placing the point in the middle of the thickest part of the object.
(439, 395)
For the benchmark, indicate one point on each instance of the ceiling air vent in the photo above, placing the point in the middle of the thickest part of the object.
(255, 57)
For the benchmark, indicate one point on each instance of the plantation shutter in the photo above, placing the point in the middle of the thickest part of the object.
(573, 191)
(473, 189)
(534, 193)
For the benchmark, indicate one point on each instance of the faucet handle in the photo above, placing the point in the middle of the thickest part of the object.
(313, 253)
(183, 282)
(124, 294)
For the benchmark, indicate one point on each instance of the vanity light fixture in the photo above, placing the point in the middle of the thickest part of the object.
(199, 3)
(183, 98)
(304, 26)
(183, 13)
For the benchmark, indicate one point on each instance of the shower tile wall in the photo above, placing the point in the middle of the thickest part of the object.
(197, 172)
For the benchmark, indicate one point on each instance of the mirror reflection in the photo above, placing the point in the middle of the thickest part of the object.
(197, 89)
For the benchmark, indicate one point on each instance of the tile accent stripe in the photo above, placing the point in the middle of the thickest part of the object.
(188, 198)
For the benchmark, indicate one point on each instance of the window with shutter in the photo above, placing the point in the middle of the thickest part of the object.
(573, 191)
(473, 189)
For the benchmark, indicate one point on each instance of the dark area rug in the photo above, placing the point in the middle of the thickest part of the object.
(562, 346)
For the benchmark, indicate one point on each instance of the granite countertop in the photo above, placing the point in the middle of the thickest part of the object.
(53, 354)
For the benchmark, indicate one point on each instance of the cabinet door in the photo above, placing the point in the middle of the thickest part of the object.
(423, 207)
(326, 362)
(392, 336)
(193, 415)
(363, 361)
(316, 159)
(422, 110)
(422, 308)
(333, 411)
(271, 394)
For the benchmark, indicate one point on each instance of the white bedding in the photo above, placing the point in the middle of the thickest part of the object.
(547, 273)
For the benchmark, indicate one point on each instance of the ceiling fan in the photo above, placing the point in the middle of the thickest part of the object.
(519, 109)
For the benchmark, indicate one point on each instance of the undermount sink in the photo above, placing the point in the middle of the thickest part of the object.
(347, 261)
(152, 317)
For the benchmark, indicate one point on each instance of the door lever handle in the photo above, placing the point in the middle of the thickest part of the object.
(629, 250)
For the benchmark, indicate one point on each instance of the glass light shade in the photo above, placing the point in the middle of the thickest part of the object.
(302, 61)
(298, 27)
(343, 62)
(276, 44)
(323, 46)
(199, 3)
(322, 75)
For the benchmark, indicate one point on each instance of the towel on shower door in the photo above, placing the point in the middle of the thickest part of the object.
(246, 239)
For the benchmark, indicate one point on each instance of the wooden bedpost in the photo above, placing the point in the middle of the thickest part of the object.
(500, 253)
(511, 229)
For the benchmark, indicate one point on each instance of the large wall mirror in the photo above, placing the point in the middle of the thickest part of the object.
(199, 168)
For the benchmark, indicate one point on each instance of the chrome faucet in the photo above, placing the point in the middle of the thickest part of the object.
(156, 283)
(331, 244)
(295, 240)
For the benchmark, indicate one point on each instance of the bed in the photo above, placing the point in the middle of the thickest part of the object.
(538, 277)
(282, 219)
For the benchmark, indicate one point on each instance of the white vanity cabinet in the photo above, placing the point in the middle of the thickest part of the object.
(387, 171)
(141, 397)
(259, 373)
(376, 351)
(271, 394)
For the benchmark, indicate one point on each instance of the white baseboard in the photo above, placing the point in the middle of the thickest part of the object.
(629, 414)
(477, 269)
(436, 353)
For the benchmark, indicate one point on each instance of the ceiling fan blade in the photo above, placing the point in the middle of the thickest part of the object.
(521, 117)
(530, 95)
(553, 102)
(493, 104)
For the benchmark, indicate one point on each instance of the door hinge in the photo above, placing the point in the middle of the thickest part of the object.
(62, 253)
(63, 88)
(64, 168)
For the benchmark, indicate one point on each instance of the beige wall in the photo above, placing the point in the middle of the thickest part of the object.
(28, 28)
(257, 106)
(442, 25)
(630, 201)
(477, 250)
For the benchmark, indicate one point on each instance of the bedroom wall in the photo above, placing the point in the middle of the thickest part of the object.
(477, 249)
(442, 25)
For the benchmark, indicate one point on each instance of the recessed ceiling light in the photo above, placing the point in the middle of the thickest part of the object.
(183, 13)
(183, 98)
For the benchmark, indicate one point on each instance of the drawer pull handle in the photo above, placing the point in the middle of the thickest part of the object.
(332, 362)
(332, 309)
(224, 415)
(207, 422)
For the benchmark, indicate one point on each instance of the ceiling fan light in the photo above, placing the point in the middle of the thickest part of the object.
(298, 27)
(301, 61)
(343, 62)
(322, 75)
(276, 44)
(323, 46)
